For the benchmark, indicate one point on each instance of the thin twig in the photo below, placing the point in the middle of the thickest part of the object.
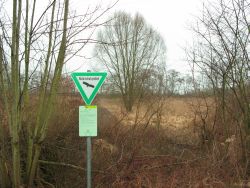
(67, 165)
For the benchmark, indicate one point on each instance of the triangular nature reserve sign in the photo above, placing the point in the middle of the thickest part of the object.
(88, 84)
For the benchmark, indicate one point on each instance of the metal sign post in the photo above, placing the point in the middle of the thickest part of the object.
(88, 84)
(88, 162)
(88, 128)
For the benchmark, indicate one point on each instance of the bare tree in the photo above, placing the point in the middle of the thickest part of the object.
(131, 50)
(222, 53)
(174, 82)
(32, 40)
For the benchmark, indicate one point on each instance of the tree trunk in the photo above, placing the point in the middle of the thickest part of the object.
(44, 115)
(4, 181)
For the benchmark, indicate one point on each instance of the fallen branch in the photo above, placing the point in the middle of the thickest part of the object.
(67, 165)
(172, 164)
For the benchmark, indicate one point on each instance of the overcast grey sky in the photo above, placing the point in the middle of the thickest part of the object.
(171, 18)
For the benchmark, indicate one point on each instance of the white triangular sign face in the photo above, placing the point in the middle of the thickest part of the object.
(88, 84)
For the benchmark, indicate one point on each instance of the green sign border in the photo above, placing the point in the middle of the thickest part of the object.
(89, 100)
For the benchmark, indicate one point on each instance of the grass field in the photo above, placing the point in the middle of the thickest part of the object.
(157, 145)
(138, 149)
(177, 116)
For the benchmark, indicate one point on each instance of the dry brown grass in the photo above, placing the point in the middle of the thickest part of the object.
(177, 116)
(132, 150)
